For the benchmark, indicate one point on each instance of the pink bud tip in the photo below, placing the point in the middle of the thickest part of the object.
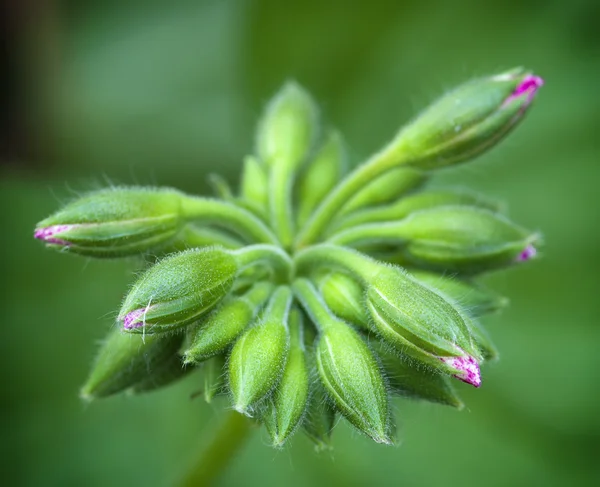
(468, 367)
(47, 234)
(132, 319)
(528, 253)
(527, 87)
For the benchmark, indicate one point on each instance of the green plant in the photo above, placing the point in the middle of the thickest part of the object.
(311, 292)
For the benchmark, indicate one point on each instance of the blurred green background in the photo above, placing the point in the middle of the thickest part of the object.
(157, 92)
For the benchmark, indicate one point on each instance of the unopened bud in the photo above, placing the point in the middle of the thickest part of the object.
(114, 222)
(290, 399)
(258, 358)
(288, 127)
(178, 290)
(464, 239)
(468, 120)
(254, 185)
(126, 360)
(420, 323)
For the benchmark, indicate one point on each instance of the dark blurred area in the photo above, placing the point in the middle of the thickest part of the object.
(153, 92)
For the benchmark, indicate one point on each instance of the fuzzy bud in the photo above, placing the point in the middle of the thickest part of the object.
(178, 290)
(468, 120)
(114, 222)
(345, 297)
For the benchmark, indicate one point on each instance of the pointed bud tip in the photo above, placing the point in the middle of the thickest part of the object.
(132, 319)
(527, 254)
(468, 367)
(528, 87)
(46, 234)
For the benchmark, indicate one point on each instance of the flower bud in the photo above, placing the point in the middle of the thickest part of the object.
(464, 239)
(387, 187)
(320, 176)
(475, 299)
(178, 290)
(468, 120)
(345, 297)
(352, 379)
(214, 377)
(168, 373)
(288, 128)
(126, 360)
(215, 333)
(257, 360)
(290, 399)
(420, 323)
(114, 222)
(407, 379)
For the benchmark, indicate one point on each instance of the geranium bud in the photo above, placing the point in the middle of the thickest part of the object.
(407, 379)
(168, 373)
(114, 222)
(253, 185)
(348, 369)
(345, 297)
(468, 120)
(178, 290)
(125, 360)
(320, 176)
(257, 360)
(214, 377)
(288, 128)
(289, 401)
(420, 323)
(464, 239)
(219, 329)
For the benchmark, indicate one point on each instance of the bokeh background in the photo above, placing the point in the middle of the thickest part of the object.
(157, 92)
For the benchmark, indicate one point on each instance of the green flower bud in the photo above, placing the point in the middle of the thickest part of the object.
(407, 379)
(290, 399)
(320, 419)
(288, 127)
(464, 239)
(178, 290)
(125, 360)
(114, 222)
(347, 369)
(345, 297)
(257, 360)
(215, 333)
(474, 298)
(214, 377)
(468, 120)
(253, 187)
(387, 187)
(411, 203)
(320, 176)
(420, 323)
(168, 373)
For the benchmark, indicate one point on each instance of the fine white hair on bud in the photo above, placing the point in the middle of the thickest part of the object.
(312, 292)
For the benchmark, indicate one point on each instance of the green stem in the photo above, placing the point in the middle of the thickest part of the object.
(277, 259)
(313, 303)
(228, 215)
(359, 265)
(217, 454)
(383, 161)
(280, 203)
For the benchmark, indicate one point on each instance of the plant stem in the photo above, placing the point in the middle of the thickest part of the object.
(228, 215)
(217, 454)
(381, 162)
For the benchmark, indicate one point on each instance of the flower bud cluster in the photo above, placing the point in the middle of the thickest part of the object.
(310, 292)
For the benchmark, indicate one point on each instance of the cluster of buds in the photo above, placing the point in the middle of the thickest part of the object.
(312, 291)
